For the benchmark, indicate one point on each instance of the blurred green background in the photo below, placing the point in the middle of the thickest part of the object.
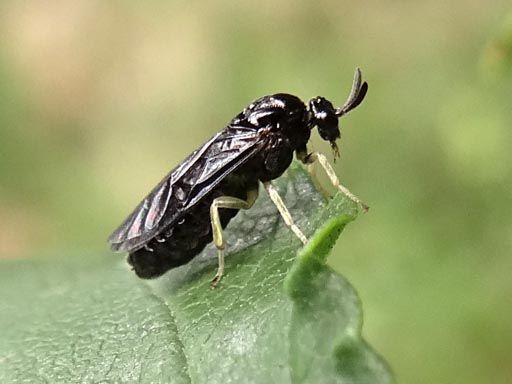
(99, 100)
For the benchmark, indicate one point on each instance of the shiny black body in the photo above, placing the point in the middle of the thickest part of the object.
(172, 224)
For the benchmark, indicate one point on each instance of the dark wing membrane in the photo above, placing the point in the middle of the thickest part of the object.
(185, 185)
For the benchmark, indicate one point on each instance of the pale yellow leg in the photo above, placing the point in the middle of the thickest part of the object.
(218, 238)
(322, 160)
(274, 196)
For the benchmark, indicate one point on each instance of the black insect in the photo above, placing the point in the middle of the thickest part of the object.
(192, 204)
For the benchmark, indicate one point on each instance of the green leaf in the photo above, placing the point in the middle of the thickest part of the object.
(275, 318)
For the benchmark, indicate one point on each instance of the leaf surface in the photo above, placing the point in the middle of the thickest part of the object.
(278, 316)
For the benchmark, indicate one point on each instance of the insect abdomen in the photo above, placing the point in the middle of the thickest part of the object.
(181, 242)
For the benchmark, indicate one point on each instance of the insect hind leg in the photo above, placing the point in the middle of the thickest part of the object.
(324, 163)
(218, 237)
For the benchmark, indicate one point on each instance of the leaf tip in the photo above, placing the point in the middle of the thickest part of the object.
(313, 255)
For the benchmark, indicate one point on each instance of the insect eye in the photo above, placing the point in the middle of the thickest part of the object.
(325, 118)
(322, 109)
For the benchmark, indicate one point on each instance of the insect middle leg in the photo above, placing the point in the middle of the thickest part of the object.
(324, 163)
(287, 217)
(218, 237)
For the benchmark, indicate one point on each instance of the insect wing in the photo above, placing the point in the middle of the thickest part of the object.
(139, 226)
(184, 186)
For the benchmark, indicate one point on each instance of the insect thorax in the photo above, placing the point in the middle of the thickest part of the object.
(283, 115)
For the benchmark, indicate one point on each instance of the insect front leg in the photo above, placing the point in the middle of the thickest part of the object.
(324, 163)
(274, 196)
(218, 237)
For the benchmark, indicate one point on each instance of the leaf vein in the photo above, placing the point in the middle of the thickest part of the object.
(174, 327)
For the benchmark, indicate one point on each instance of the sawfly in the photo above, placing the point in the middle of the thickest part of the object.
(192, 205)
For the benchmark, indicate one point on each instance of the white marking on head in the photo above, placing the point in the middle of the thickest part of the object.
(321, 115)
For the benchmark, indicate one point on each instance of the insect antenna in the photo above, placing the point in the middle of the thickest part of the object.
(356, 96)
